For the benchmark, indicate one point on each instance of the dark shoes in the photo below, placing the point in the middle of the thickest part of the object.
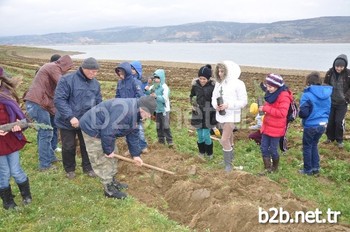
(70, 175)
(312, 173)
(91, 173)
(113, 192)
(119, 185)
(50, 168)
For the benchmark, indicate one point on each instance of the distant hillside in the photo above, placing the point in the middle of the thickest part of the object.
(315, 30)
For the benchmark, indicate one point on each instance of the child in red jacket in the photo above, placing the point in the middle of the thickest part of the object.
(10, 144)
(277, 101)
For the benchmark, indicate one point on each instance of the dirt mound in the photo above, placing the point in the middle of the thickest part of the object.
(206, 199)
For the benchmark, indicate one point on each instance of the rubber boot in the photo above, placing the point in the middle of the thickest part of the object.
(7, 198)
(201, 149)
(209, 150)
(228, 158)
(24, 188)
(267, 166)
(275, 163)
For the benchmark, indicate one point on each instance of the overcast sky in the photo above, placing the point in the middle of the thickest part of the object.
(22, 17)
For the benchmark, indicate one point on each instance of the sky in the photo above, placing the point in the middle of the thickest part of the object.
(28, 17)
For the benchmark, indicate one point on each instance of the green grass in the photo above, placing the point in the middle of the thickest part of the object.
(76, 205)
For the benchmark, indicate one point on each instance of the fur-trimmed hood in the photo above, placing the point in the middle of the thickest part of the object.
(232, 71)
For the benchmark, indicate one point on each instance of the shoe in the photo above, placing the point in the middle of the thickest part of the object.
(119, 185)
(58, 150)
(328, 141)
(305, 173)
(91, 173)
(50, 168)
(340, 145)
(171, 145)
(145, 150)
(315, 172)
(113, 192)
(209, 157)
(70, 175)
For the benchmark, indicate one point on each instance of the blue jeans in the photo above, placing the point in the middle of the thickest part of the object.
(39, 115)
(203, 136)
(269, 146)
(54, 140)
(11, 166)
(311, 136)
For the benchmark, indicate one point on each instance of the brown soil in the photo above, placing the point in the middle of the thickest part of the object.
(197, 197)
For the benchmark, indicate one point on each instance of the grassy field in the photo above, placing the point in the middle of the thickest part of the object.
(79, 205)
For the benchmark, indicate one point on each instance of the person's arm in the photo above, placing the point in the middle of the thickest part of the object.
(305, 108)
(61, 99)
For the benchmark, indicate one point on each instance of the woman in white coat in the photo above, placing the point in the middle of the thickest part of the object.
(229, 97)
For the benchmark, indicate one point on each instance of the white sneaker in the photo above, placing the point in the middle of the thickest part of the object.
(58, 149)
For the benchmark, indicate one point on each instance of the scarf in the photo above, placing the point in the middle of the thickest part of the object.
(272, 97)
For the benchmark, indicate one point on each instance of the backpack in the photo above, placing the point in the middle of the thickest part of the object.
(292, 111)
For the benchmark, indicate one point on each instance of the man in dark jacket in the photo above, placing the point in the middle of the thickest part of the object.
(101, 126)
(40, 106)
(339, 77)
(75, 94)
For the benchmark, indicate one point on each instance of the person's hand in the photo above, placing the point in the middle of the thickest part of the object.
(147, 87)
(74, 122)
(3, 133)
(223, 107)
(138, 161)
(153, 95)
(16, 128)
(112, 155)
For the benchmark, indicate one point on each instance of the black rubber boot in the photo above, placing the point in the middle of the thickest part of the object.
(110, 190)
(209, 150)
(201, 149)
(24, 188)
(7, 198)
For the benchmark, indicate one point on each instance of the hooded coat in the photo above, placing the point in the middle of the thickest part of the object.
(129, 87)
(162, 92)
(315, 105)
(340, 82)
(42, 89)
(233, 92)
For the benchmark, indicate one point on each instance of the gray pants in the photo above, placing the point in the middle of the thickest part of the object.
(105, 168)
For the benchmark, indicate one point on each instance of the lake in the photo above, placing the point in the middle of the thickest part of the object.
(318, 57)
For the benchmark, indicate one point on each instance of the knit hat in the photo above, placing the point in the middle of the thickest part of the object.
(339, 62)
(90, 63)
(55, 57)
(274, 80)
(148, 103)
(205, 71)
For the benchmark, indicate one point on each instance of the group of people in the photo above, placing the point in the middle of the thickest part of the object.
(218, 101)
(72, 102)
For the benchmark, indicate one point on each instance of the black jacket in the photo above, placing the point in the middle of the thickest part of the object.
(203, 113)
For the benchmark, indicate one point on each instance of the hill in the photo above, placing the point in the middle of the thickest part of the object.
(315, 30)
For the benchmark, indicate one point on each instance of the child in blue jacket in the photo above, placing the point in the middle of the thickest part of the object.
(315, 104)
